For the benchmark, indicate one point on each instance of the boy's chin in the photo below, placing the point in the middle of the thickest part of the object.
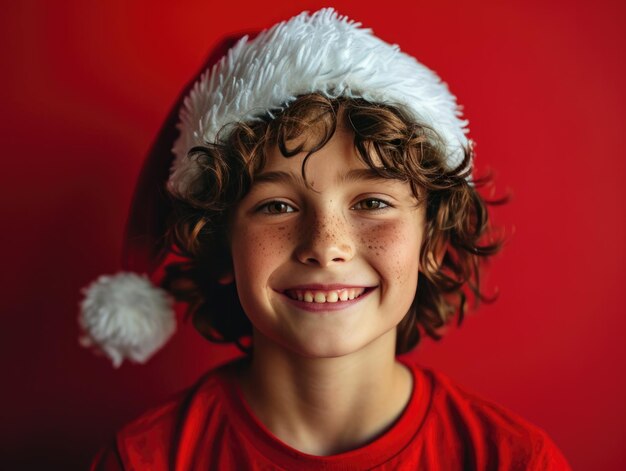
(322, 347)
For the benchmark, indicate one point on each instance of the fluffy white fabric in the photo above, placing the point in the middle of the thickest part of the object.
(124, 316)
(322, 52)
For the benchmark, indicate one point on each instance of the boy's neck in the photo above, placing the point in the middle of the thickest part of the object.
(325, 406)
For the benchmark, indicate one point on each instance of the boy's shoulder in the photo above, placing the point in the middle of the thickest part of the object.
(149, 438)
(484, 430)
(206, 389)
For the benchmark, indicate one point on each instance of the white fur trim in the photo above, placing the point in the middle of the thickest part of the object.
(125, 316)
(322, 52)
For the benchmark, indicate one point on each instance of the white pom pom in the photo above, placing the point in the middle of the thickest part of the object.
(125, 316)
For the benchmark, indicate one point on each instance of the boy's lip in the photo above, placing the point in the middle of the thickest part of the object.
(324, 287)
(326, 306)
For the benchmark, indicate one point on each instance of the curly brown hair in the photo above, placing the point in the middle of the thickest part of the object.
(390, 143)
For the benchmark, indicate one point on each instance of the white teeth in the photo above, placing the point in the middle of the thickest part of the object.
(326, 296)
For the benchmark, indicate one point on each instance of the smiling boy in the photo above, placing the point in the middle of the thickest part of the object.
(327, 228)
(326, 268)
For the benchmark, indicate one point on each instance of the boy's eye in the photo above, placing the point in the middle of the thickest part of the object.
(371, 204)
(275, 207)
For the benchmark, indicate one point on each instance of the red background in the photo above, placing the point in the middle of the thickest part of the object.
(86, 87)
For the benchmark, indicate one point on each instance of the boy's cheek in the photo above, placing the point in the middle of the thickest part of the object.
(259, 246)
(395, 244)
(391, 236)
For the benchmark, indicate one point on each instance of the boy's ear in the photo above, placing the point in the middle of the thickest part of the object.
(227, 278)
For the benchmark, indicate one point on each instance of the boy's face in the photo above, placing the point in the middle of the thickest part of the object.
(300, 254)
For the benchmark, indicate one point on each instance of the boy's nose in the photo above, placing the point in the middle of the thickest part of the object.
(326, 241)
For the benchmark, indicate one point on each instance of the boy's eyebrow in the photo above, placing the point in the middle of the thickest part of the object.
(353, 175)
(359, 174)
(278, 176)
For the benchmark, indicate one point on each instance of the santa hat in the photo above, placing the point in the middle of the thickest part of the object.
(124, 316)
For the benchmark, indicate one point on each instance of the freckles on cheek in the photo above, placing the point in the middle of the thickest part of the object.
(260, 243)
(382, 238)
(397, 244)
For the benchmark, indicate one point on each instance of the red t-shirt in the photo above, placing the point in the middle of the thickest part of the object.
(443, 427)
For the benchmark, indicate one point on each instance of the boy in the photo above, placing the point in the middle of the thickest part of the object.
(323, 207)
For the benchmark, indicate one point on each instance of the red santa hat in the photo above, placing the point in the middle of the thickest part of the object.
(124, 316)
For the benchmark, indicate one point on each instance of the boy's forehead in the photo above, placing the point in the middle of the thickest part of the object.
(338, 160)
(344, 176)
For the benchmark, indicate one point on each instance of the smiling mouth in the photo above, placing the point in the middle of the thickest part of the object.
(325, 296)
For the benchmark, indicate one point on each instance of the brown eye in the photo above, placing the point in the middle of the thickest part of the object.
(276, 207)
(371, 204)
